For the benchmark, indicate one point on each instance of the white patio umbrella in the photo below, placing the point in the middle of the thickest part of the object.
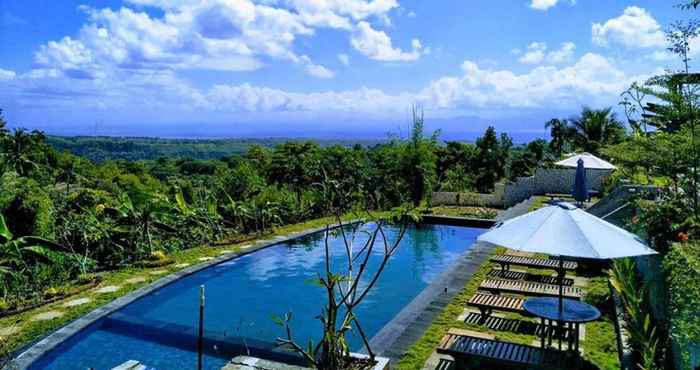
(564, 230)
(589, 162)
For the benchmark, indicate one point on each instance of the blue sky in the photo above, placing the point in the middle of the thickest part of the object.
(320, 67)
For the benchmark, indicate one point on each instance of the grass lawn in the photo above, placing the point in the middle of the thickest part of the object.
(464, 211)
(21, 329)
(600, 348)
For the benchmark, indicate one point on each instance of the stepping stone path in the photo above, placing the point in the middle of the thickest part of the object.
(48, 315)
(135, 280)
(108, 289)
(76, 302)
(226, 251)
(6, 332)
(246, 246)
(202, 259)
(157, 272)
(181, 265)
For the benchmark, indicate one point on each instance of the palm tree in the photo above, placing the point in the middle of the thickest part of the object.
(559, 133)
(19, 150)
(68, 174)
(595, 128)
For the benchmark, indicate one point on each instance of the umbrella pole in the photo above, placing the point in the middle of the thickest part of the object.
(561, 284)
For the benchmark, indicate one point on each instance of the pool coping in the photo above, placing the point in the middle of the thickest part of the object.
(397, 332)
(35, 351)
(410, 324)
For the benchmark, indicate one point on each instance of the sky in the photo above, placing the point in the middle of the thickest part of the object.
(321, 68)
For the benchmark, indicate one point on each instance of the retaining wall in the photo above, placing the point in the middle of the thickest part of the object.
(544, 181)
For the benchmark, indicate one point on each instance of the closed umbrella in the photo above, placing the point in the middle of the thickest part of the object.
(564, 230)
(580, 191)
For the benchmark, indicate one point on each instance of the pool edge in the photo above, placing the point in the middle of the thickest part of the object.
(410, 324)
(34, 351)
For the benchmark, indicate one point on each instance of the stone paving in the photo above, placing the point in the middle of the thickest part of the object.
(48, 315)
(135, 280)
(158, 272)
(182, 265)
(108, 289)
(10, 330)
(204, 259)
(77, 302)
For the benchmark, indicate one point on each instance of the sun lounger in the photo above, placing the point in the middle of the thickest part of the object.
(487, 303)
(529, 288)
(506, 261)
(524, 276)
(463, 347)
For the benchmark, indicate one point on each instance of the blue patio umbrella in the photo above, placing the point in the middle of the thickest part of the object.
(580, 190)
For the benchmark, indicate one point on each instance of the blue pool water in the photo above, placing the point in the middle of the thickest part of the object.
(243, 294)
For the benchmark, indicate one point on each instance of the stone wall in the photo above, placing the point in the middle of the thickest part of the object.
(550, 181)
(493, 200)
(544, 181)
(561, 180)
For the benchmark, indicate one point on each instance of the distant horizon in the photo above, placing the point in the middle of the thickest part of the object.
(460, 128)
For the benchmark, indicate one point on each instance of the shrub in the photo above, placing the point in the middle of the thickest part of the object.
(598, 294)
(682, 267)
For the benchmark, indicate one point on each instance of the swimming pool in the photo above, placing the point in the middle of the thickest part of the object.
(244, 293)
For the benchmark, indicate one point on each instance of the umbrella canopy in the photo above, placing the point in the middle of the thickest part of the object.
(589, 161)
(565, 230)
(580, 191)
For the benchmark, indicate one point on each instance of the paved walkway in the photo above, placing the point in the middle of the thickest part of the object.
(516, 210)
(410, 324)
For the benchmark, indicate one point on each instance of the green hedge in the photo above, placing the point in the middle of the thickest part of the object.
(682, 266)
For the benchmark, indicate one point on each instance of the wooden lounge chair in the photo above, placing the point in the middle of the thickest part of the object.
(463, 347)
(524, 276)
(486, 303)
(529, 288)
(506, 261)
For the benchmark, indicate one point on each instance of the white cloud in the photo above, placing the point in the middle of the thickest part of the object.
(319, 71)
(344, 59)
(378, 46)
(591, 80)
(221, 35)
(6, 74)
(563, 55)
(536, 53)
(546, 4)
(635, 28)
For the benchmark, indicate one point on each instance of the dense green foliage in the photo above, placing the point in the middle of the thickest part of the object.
(682, 265)
(664, 151)
(104, 148)
(111, 214)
